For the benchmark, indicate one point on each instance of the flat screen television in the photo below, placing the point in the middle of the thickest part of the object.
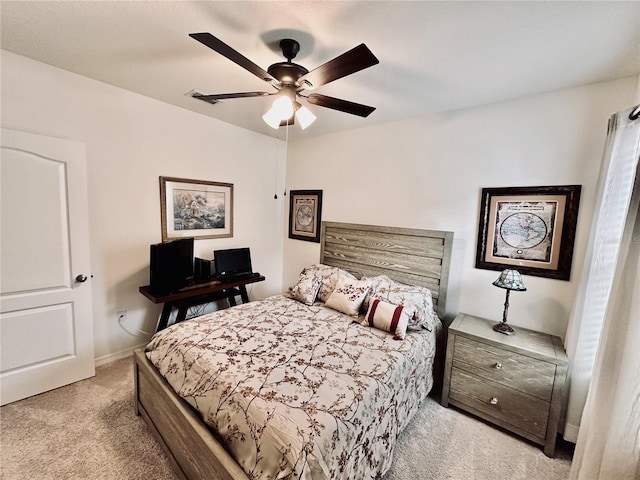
(232, 262)
(171, 265)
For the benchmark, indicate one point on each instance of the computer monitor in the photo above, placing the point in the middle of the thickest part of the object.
(232, 262)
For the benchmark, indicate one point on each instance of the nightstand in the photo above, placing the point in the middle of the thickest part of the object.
(514, 381)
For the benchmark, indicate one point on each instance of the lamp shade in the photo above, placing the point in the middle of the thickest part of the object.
(305, 117)
(283, 107)
(272, 118)
(281, 110)
(511, 280)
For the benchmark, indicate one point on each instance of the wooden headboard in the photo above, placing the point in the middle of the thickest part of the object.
(406, 255)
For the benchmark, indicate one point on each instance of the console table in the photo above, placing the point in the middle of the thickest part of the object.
(199, 294)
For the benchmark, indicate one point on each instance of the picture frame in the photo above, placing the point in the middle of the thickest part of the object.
(305, 212)
(195, 208)
(530, 229)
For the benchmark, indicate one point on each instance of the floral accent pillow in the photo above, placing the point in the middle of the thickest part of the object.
(306, 290)
(416, 300)
(348, 296)
(387, 317)
(327, 277)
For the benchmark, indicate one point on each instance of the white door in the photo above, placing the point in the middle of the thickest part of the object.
(46, 325)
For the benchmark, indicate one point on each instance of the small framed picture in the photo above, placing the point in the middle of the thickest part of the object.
(305, 210)
(531, 229)
(195, 208)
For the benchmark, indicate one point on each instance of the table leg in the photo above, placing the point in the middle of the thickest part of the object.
(164, 317)
(231, 297)
(243, 294)
(182, 312)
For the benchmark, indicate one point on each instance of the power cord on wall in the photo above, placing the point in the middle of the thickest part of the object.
(121, 318)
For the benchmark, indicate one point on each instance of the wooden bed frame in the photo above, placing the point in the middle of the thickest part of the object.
(412, 256)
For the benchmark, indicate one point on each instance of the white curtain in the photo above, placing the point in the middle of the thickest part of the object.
(619, 165)
(607, 320)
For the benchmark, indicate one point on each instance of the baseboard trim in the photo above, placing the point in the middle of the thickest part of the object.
(119, 355)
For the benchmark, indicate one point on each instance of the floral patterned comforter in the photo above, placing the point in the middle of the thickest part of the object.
(296, 391)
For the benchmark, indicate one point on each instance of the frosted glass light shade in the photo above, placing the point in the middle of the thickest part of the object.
(282, 109)
(271, 118)
(305, 117)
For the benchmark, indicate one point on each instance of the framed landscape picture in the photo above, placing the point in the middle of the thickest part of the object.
(530, 229)
(305, 209)
(195, 208)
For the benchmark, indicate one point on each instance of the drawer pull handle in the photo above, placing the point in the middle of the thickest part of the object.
(493, 401)
(498, 365)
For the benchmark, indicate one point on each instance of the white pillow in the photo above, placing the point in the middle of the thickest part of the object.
(348, 295)
(327, 276)
(306, 290)
(387, 317)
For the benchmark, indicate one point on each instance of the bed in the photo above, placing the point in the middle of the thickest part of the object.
(355, 423)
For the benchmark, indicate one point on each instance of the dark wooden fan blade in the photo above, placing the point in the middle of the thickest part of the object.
(223, 49)
(353, 61)
(224, 96)
(341, 105)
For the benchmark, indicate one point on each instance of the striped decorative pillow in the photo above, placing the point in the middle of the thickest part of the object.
(387, 317)
(416, 300)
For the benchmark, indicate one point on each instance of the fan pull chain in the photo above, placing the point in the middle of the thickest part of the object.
(286, 154)
(275, 182)
(275, 185)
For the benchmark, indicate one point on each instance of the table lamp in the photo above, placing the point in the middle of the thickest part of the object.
(509, 280)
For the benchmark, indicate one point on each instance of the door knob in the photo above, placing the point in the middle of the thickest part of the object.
(81, 278)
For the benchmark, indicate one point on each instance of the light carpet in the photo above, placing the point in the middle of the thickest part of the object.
(89, 430)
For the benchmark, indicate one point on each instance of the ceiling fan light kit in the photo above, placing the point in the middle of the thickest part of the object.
(291, 79)
(282, 109)
(304, 116)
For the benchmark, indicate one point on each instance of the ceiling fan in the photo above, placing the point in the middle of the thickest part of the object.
(291, 80)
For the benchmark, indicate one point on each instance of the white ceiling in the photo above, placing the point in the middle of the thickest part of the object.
(434, 56)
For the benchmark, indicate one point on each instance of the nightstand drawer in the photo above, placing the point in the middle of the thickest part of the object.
(491, 399)
(519, 372)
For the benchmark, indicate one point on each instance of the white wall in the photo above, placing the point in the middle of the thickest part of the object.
(423, 173)
(130, 141)
(429, 173)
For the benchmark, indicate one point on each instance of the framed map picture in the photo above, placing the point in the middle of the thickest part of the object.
(195, 208)
(530, 229)
(305, 209)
